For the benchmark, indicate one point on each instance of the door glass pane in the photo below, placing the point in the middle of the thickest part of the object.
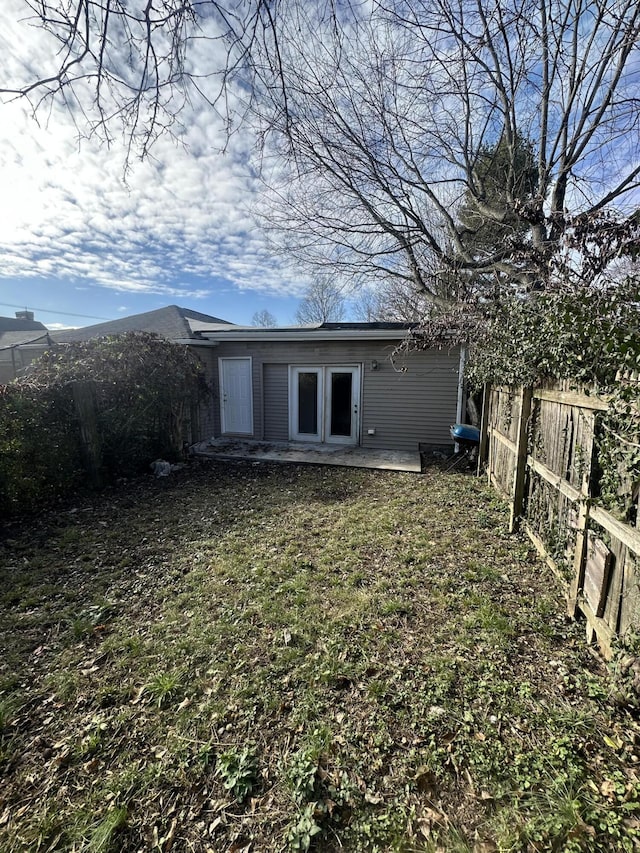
(341, 403)
(308, 403)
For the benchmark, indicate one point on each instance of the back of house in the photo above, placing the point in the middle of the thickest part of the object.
(335, 383)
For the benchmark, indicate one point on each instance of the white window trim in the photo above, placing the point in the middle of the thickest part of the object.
(294, 371)
(323, 371)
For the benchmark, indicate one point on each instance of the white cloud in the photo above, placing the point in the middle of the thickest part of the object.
(66, 211)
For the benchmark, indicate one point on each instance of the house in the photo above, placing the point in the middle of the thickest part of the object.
(22, 339)
(334, 383)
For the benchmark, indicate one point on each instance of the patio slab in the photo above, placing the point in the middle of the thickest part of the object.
(312, 454)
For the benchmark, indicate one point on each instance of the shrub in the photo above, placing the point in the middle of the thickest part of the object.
(585, 334)
(144, 386)
(39, 447)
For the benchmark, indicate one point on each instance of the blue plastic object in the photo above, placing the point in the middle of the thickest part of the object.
(465, 432)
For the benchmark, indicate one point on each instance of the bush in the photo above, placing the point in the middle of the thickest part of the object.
(39, 447)
(585, 334)
(144, 387)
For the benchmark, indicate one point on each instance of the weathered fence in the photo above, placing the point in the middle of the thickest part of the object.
(539, 448)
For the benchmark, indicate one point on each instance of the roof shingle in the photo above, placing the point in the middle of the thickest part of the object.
(171, 322)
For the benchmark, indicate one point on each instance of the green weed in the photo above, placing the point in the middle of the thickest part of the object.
(238, 771)
(165, 686)
(103, 838)
(304, 828)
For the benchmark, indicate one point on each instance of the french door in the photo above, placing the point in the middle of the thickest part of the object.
(324, 404)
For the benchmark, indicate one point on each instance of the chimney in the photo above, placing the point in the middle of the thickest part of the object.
(24, 315)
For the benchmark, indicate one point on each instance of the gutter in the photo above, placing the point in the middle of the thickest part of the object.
(194, 342)
(215, 338)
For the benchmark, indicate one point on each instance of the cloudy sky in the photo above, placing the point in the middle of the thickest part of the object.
(76, 238)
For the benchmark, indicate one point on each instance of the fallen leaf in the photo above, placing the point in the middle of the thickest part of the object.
(608, 789)
(484, 847)
(614, 744)
(137, 695)
(426, 781)
(166, 843)
(373, 798)
(215, 824)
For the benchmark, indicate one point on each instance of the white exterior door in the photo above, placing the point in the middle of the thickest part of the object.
(324, 404)
(342, 405)
(236, 396)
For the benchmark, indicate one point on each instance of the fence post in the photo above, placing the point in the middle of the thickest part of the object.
(484, 423)
(84, 398)
(521, 458)
(494, 397)
(579, 556)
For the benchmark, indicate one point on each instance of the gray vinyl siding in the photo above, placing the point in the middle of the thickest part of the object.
(411, 403)
(413, 407)
(276, 401)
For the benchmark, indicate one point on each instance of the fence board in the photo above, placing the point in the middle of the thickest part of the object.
(520, 460)
(624, 532)
(498, 436)
(539, 447)
(592, 403)
(630, 598)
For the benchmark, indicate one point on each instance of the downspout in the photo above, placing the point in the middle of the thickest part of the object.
(460, 402)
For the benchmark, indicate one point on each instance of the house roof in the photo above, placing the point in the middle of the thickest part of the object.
(321, 332)
(171, 322)
(18, 324)
(22, 338)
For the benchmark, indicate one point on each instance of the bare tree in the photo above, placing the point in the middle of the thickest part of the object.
(265, 319)
(323, 302)
(122, 66)
(394, 110)
(395, 301)
(376, 121)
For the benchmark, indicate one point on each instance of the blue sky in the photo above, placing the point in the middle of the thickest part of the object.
(77, 239)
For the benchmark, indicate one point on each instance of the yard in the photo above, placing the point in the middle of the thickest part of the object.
(261, 657)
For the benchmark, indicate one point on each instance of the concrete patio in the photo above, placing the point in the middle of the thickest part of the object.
(312, 454)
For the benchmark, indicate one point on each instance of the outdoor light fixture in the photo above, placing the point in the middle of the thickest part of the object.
(374, 365)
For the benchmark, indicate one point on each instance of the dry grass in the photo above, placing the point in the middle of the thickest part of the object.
(263, 657)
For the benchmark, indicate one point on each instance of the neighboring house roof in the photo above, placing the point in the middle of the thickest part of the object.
(19, 347)
(18, 324)
(171, 322)
(13, 339)
(319, 332)
(16, 331)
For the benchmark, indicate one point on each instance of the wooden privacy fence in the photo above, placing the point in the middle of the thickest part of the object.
(539, 447)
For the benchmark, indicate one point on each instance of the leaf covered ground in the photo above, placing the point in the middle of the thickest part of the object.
(258, 657)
